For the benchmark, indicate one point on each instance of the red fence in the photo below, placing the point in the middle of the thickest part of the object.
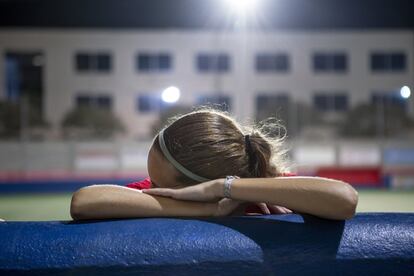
(360, 177)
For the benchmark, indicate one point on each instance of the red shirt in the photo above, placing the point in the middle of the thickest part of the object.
(140, 185)
(146, 184)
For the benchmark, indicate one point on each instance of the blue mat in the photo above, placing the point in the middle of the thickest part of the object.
(369, 244)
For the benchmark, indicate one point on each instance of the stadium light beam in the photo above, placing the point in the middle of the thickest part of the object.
(241, 7)
(170, 94)
(405, 92)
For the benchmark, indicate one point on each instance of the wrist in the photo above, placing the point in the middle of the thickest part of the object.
(219, 187)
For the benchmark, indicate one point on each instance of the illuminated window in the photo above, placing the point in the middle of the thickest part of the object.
(388, 99)
(147, 103)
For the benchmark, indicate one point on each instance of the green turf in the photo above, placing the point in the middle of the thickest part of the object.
(386, 201)
(56, 206)
(35, 207)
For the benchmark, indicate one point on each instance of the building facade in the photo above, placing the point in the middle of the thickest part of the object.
(126, 71)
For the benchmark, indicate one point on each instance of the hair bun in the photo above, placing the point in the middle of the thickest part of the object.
(258, 151)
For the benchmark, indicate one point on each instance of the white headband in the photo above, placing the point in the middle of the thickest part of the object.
(174, 162)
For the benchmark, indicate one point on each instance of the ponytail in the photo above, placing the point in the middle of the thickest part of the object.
(259, 152)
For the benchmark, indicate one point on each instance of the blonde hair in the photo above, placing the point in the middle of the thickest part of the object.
(210, 143)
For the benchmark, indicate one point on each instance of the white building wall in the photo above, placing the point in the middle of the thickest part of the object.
(62, 83)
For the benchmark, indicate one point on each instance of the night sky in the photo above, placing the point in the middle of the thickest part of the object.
(206, 14)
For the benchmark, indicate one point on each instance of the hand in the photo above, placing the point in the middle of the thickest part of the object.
(226, 206)
(274, 209)
(206, 191)
(269, 209)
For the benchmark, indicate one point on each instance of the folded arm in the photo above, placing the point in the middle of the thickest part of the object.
(327, 198)
(323, 197)
(113, 201)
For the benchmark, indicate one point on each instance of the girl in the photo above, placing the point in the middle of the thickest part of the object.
(205, 164)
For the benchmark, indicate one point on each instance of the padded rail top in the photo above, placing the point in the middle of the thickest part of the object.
(370, 243)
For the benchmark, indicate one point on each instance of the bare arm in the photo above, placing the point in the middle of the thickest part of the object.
(323, 197)
(113, 201)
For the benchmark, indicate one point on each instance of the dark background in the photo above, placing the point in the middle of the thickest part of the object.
(208, 14)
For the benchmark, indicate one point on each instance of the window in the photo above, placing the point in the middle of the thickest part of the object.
(278, 62)
(93, 62)
(149, 103)
(95, 101)
(219, 62)
(269, 105)
(103, 62)
(23, 76)
(164, 62)
(388, 62)
(84, 101)
(388, 99)
(153, 62)
(330, 101)
(103, 102)
(330, 62)
(83, 62)
(220, 101)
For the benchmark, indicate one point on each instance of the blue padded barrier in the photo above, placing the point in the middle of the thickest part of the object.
(369, 244)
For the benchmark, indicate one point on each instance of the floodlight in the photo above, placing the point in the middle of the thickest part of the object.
(170, 94)
(241, 6)
(405, 92)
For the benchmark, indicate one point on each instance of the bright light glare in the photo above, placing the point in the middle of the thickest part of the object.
(170, 94)
(405, 92)
(241, 6)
